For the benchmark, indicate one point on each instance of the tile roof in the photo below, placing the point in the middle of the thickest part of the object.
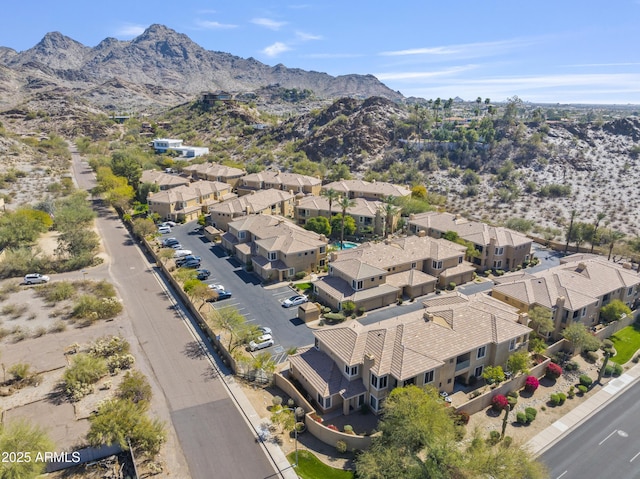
(341, 290)
(580, 280)
(412, 277)
(474, 231)
(162, 179)
(253, 203)
(195, 190)
(214, 169)
(293, 180)
(362, 206)
(409, 344)
(376, 189)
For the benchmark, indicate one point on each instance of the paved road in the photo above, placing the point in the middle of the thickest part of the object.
(214, 435)
(607, 445)
(259, 305)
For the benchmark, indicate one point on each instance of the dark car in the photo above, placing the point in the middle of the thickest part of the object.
(203, 274)
(180, 261)
(192, 263)
(220, 295)
(168, 242)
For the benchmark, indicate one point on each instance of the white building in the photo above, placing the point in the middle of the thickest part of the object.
(162, 145)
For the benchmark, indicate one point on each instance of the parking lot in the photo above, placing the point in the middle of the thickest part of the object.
(260, 305)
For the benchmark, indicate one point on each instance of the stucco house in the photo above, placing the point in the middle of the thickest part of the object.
(369, 215)
(266, 202)
(186, 203)
(375, 190)
(575, 290)
(292, 182)
(162, 145)
(215, 172)
(276, 248)
(451, 340)
(164, 181)
(500, 248)
(374, 275)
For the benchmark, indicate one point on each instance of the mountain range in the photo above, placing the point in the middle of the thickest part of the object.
(158, 68)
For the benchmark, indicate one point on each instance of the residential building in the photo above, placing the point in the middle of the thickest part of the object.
(186, 203)
(450, 341)
(277, 180)
(266, 202)
(575, 290)
(162, 145)
(369, 215)
(164, 181)
(215, 172)
(276, 248)
(376, 190)
(374, 275)
(499, 248)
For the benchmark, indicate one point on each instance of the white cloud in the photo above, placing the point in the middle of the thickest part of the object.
(276, 49)
(305, 37)
(211, 25)
(333, 55)
(417, 75)
(268, 23)
(467, 50)
(130, 30)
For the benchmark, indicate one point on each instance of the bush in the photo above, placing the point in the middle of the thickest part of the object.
(572, 392)
(590, 356)
(512, 401)
(348, 307)
(521, 418)
(341, 447)
(586, 381)
(461, 418)
(617, 369)
(553, 371)
(499, 402)
(531, 414)
(571, 366)
(348, 429)
(582, 389)
(451, 286)
(300, 275)
(531, 384)
(494, 438)
(558, 399)
(335, 317)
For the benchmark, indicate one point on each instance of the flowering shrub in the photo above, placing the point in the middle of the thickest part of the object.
(332, 427)
(499, 402)
(553, 371)
(531, 384)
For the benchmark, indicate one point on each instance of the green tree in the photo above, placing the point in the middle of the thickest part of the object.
(319, 224)
(78, 242)
(230, 320)
(493, 374)
(21, 437)
(134, 387)
(331, 195)
(594, 239)
(419, 192)
(123, 422)
(344, 225)
(607, 351)
(518, 362)
(22, 227)
(126, 165)
(580, 337)
(339, 171)
(570, 229)
(390, 213)
(345, 203)
(614, 311)
(144, 227)
(144, 189)
(540, 320)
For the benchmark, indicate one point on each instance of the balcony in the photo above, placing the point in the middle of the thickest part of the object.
(460, 365)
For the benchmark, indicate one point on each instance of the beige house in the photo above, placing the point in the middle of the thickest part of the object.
(215, 172)
(575, 290)
(369, 215)
(500, 248)
(163, 180)
(277, 180)
(276, 248)
(374, 275)
(186, 203)
(451, 340)
(376, 190)
(267, 202)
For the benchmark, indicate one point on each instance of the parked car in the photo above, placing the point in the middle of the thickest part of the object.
(264, 329)
(264, 341)
(182, 252)
(176, 246)
(191, 263)
(169, 242)
(170, 224)
(217, 287)
(203, 274)
(164, 229)
(180, 261)
(36, 278)
(220, 295)
(295, 300)
(198, 229)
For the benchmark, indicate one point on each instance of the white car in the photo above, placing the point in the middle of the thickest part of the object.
(295, 300)
(182, 252)
(170, 224)
(264, 329)
(217, 287)
(36, 278)
(164, 229)
(264, 341)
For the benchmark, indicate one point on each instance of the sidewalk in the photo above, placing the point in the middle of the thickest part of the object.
(547, 438)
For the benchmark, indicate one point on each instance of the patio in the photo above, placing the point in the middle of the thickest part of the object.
(363, 423)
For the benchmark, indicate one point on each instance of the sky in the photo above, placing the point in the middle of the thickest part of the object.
(560, 51)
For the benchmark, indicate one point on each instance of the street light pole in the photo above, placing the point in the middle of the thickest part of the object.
(295, 429)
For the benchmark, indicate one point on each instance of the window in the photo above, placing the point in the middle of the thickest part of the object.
(497, 264)
(630, 291)
(292, 271)
(379, 382)
(499, 251)
(316, 344)
(272, 256)
(241, 234)
(413, 265)
(478, 372)
(409, 382)
(459, 259)
(324, 402)
(512, 345)
(428, 377)
(361, 400)
(482, 352)
(437, 265)
(373, 401)
(322, 262)
(322, 249)
(583, 313)
(351, 370)
(359, 285)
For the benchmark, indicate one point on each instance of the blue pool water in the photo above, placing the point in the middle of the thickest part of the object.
(345, 244)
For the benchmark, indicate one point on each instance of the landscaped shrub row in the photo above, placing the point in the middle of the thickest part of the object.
(558, 399)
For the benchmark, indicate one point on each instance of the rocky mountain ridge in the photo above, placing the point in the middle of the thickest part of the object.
(170, 66)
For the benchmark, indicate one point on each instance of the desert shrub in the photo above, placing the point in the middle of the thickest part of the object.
(348, 429)
(494, 438)
(531, 384)
(558, 399)
(89, 306)
(572, 392)
(499, 402)
(58, 326)
(118, 362)
(582, 389)
(531, 414)
(58, 291)
(590, 356)
(20, 371)
(341, 447)
(462, 418)
(348, 307)
(521, 418)
(335, 317)
(135, 387)
(84, 371)
(571, 366)
(586, 381)
(109, 346)
(553, 371)
(276, 401)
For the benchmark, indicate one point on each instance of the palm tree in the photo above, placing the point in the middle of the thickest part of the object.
(345, 203)
(599, 217)
(330, 195)
(436, 107)
(389, 210)
(478, 103)
(570, 230)
(613, 236)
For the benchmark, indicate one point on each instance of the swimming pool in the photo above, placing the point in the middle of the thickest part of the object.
(345, 244)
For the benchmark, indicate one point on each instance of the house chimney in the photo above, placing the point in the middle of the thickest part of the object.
(422, 233)
(428, 317)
